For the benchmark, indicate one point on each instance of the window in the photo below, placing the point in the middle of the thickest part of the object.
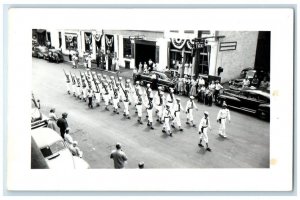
(127, 47)
(71, 42)
(53, 149)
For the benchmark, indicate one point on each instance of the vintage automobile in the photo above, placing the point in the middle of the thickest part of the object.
(236, 84)
(40, 52)
(37, 118)
(55, 151)
(162, 80)
(252, 101)
(55, 55)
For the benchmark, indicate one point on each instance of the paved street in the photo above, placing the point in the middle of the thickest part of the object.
(97, 131)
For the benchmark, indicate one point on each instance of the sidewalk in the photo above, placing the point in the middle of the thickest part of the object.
(125, 73)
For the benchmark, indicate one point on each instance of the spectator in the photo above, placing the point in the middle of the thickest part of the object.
(193, 90)
(68, 138)
(246, 83)
(217, 89)
(140, 68)
(63, 124)
(75, 149)
(52, 119)
(264, 84)
(117, 64)
(141, 165)
(255, 81)
(119, 157)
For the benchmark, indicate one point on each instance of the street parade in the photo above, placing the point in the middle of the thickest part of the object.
(147, 115)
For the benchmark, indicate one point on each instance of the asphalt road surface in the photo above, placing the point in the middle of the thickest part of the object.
(97, 131)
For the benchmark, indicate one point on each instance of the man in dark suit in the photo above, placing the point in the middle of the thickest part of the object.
(63, 124)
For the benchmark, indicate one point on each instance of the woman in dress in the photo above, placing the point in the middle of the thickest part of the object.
(193, 90)
(180, 86)
(52, 119)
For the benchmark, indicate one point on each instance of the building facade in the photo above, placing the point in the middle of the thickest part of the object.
(219, 53)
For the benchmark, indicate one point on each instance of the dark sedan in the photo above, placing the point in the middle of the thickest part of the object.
(156, 78)
(55, 55)
(40, 52)
(251, 101)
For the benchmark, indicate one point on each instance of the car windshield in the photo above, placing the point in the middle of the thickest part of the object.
(250, 73)
(163, 76)
(53, 149)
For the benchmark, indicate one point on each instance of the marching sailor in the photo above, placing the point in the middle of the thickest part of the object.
(171, 99)
(97, 93)
(126, 105)
(73, 85)
(90, 96)
(190, 105)
(84, 89)
(203, 127)
(139, 108)
(167, 117)
(78, 90)
(68, 83)
(222, 117)
(106, 96)
(159, 105)
(177, 109)
(136, 94)
(149, 107)
(156, 97)
(116, 100)
(129, 88)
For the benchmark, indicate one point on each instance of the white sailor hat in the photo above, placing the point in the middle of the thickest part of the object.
(118, 83)
(205, 112)
(137, 82)
(93, 72)
(148, 84)
(150, 90)
(98, 74)
(171, 89)
(128, 80)
(104, 75)
(192, 97)
(87, 69)
(161, 92)
(111, 77)
(97, 82)
(159, 87)
(120, 78)
(178, 99)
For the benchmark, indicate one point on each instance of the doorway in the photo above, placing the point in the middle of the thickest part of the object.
(144, 50)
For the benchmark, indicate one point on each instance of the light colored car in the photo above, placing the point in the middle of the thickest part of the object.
(38, 119)
(55, 150)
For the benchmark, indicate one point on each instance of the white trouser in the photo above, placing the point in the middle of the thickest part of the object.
(126, 106)
(222, 127)
(159, 114)
(73, 88)
(115, 103)
(68, 87)
(149, 112)
(135, 99)
(189, 115)
(84, 92)
(78, 91)
(106, 99)
(177, 118)
(97, 95)
(167, 124)
(139, 110)
(203, 135)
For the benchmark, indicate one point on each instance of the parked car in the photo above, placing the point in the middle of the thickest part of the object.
(40, 52)
(55, 55)
(236, 84)
(55, 150)
(37, 118)
(162, 79)
(252, 101)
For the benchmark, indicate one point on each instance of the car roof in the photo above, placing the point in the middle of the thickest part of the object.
(265, 94)
(45, 137)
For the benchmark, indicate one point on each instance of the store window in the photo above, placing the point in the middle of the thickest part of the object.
(88, 42)
(204, 55)
(71, 41)
(127, 48)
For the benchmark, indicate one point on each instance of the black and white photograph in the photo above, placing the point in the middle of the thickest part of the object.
(150, 99)
(138, 99)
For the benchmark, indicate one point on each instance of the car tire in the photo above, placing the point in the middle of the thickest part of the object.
(219, 101)
(262, 115)
(44, 57)
(57, 61)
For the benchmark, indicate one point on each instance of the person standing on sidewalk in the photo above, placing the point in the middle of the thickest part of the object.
(90, 96)
(119, 157)
(203, 127)
(63, 124)
(222, 117)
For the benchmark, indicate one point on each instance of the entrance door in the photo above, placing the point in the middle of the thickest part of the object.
(144, 50)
